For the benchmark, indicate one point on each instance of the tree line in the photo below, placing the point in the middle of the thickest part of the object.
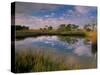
(19, 27)
(71, 27)
(61, 27)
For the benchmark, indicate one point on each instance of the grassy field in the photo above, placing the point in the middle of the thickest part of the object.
(29, 33)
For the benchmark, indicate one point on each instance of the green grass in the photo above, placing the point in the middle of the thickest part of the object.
(23, 34)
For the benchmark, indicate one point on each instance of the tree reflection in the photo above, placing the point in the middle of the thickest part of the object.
(73, 40)
(87, 42)
(94, 48)
(69, 40)
(93, 45)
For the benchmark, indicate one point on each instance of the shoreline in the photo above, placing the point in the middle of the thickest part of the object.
(23, 34)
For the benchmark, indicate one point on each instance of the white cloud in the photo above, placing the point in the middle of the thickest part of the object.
(50, 15)
(84, 9)
(47, 16)
(38, 22)
(25, 11)
(81, 9)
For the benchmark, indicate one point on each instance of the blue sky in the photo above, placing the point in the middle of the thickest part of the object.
(37, 15)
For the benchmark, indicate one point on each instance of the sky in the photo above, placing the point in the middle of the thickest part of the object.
(38, 15)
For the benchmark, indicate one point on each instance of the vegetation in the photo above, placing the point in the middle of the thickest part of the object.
(63, 29)
(68, 27)
(23, 34)
(27, 61)
(19, 27)
(92, 36)
(40, 61)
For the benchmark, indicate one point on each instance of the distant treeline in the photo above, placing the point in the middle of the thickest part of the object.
(70, 27)
(61, 27)
(19, 27)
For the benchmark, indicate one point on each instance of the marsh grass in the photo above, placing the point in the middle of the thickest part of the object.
(41, 61)
(28, 61)
(23, 33)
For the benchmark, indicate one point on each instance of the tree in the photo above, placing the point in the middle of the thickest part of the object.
(87, 27)
(74, 27)
(94, 27)
(62, 27)
(69, 27)
(19, 27)
(50, 28)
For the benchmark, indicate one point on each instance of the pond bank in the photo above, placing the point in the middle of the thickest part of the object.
(31, 33)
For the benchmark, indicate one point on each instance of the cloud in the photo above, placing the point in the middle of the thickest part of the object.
(81, 9)
(50, 15)
(81, 50)
(38, 15)
(84, 9)
(38, 22)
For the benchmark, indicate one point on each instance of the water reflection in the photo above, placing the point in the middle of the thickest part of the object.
(79, 46)
(69, 40)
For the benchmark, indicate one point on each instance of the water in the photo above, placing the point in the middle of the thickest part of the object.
(76, 50)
